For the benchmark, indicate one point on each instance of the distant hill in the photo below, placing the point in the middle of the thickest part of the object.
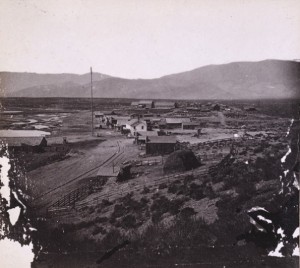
(264, 79)
(14, 82)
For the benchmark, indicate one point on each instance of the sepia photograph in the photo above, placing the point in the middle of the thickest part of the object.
(149, 133)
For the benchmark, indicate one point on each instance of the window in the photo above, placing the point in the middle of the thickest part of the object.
(142, 127)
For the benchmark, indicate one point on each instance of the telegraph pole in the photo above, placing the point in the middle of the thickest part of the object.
(92, 108)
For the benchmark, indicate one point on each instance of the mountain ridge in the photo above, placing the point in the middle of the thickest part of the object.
(263, 79)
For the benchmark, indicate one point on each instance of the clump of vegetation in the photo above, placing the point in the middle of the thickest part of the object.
(129, 221)
(184, 232)
(163, 205)
(99, 229)
(162, 186)
(130, 210)
(146, 190)
(187, 212)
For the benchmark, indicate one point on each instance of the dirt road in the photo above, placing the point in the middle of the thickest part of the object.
(50, 182)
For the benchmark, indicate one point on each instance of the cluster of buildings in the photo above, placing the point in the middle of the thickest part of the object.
(150, 121)
(147, 130)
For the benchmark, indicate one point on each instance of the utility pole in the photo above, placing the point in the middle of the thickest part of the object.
(92, 108)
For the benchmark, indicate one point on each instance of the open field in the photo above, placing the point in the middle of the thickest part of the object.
(80, 200)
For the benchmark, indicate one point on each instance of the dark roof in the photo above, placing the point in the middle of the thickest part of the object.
(147, 133)
(162, 139)
(138, 123)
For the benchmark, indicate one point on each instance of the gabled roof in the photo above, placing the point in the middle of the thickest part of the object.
(122, 122)
(135, 122)
(138, 123)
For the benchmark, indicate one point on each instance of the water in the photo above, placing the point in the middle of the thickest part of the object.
(9, 133)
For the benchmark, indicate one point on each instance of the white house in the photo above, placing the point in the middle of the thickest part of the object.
(135, 125)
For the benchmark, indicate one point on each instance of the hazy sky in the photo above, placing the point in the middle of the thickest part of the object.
(144, 38)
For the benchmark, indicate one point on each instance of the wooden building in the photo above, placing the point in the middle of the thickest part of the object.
(176, 122)
(165, 104)
(135, 125)
(160, 145)
(190, 125)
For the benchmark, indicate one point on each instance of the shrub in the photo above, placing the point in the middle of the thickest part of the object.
(101, 219)
(173, 188)
(162, 186)
(91, 210)
(196, 191)
(187, 212)
(129, 221)
(164, 205)
(119, 211)
(146, 190)
(106, 202)
(98, 229)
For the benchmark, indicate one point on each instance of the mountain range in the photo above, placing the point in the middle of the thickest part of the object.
(237, 80)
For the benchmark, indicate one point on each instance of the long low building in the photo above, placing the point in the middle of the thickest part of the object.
(157, 104)
(165, 104)
(160, 145)
(176, 122)
(190, 125)
(148, 104)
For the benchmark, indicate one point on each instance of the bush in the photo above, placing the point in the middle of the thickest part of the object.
(91, 210)
(163, 205)
(187, 212)
(196, 191)
(162, 186)
(128, 222)
(173, 188)
(98, 229)
(106, 202)
(119, 211)
(146, 190)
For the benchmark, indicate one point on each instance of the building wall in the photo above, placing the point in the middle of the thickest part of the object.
(160, 148)
(190, 126)
(174, 125)
(139, 127)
